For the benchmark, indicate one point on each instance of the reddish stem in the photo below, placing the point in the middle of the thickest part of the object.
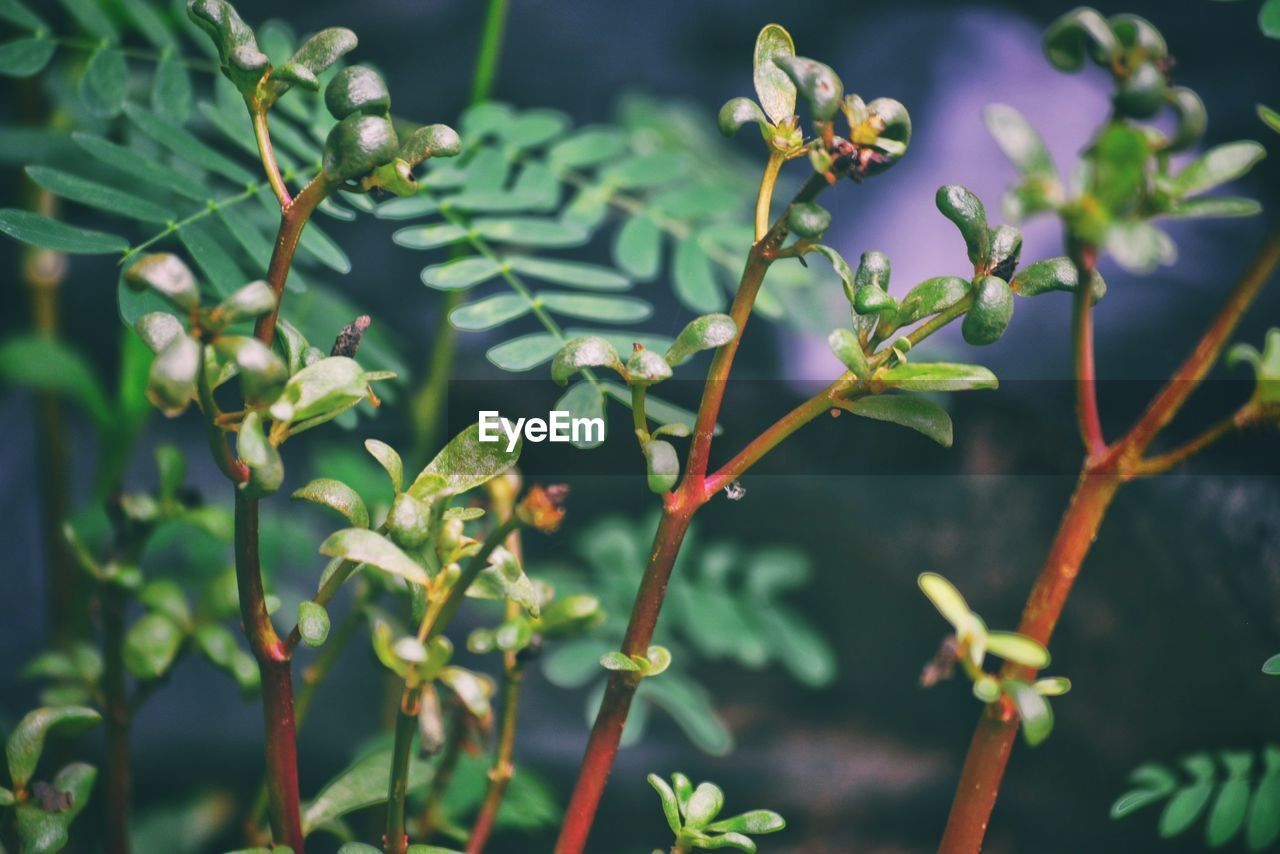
(277, 680)
(1085, 259)
(602, 746)
(993, 741)
(116, 705)
(293, 219)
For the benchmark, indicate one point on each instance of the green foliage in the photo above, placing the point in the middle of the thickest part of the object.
(690, 813)
(724, 604)
(1237, 796)
(1125, 180)
(969, 647)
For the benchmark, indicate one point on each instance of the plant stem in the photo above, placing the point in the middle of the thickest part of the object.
(293, 219)
(602, 745)
(396, 840)
(431, 806)
(503, 769)
(1175, 393)
(1162, 463)
(678, 510)
(1101, 476)
(268, 154)
(428, 402)
(764, 199)
(442, 609)
(490, 51)
(42, 272)
(277, 682)
(118, 713)
(1085, 259)
(998, 726)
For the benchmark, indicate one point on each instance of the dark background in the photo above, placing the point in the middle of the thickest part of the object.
(1174, 611)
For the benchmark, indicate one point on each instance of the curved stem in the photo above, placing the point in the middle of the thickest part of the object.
(1175, 393)
(1161, 463)
(764, 199)
(1100, 478)
(268, 154)
(1085, 259)
(293, 219)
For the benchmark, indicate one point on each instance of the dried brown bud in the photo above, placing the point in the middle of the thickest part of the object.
(348, 340)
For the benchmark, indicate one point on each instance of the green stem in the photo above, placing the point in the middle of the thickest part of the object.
(764, 199)
(427, 407)
(266, 151)
(490, 52)
(442, 609)
(396, 840)
(432, 814)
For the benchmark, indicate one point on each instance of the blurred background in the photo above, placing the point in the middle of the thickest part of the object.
(1174, 611)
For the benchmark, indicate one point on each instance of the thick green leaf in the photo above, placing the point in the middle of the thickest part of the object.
(48, 233)
(755, 821)
(1053, 274)
(917, 413)
(461, 273)
(369, 547)
(663, 464)
(336, 495)
(989, 313)
(151, 645)
(946, 598)
(937, 376)
(1017, 648)
(637, 248)
(1033, 711)
(105, 82)
(25, 57)
(362, 784)
(467, 462)
(702, 333)
(694, 277)
(41, 363)
(774, 88)
(313, 623)
(389, 460)
(42, 832)
(819, 85)
(704, 805)
(320, 390)
(490, 312)
(670, 807)
(575, 274)
(590, 351)
(1218, 165)
(26, 742)
(965, 209)
(524, 353)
